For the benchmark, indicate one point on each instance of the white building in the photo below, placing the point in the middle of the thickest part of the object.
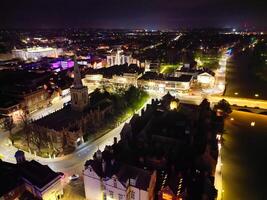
(41, 181)
(108, 180)
(152, 83)
(119, 58)
(36, 53)
(97, 80)
(206, 80)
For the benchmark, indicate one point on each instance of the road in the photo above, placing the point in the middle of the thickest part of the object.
(70, 164)
(57, 104)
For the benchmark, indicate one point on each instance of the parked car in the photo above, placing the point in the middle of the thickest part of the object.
(74, 177)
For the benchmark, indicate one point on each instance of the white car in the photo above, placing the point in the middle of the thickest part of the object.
(74, 177)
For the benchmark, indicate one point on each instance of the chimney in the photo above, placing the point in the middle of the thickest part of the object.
(142, 112)
(115, 140)
(104, 166)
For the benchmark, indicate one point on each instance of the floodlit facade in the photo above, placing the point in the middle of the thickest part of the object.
(118, 58)
(205, 79)
(125, 80)
(170, 84)
(79, 92)
(111, 182)
(36, 53)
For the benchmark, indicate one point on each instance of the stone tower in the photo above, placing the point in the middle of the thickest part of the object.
(79, 93)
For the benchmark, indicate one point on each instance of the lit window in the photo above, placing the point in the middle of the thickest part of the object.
(132, 195)
(111, 194)
(120, 196)
(115, 182)
(104, 196)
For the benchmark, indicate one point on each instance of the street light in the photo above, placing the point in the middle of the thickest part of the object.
(252, 124)
(236, 93)
(256, 95)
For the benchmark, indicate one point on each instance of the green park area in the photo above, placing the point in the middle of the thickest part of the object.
(169, 68)
(125, 104)
(244, 154)
(209, 60)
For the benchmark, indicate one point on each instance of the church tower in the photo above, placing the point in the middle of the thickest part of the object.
(79, 93)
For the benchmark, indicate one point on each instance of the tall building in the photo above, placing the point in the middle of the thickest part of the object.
(79, 92)
(118, 58)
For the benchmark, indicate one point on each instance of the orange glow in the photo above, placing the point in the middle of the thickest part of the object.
(166, 196)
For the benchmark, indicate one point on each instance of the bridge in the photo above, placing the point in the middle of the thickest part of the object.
(243, 104)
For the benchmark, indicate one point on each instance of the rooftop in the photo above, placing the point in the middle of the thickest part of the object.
(36, 173)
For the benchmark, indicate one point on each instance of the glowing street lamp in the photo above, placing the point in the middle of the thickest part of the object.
(256, 95)
(252, 124)
(236, 93)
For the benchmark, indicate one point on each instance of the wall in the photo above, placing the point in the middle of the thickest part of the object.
(92, 185)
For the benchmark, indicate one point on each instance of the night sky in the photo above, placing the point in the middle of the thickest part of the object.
(149, 14)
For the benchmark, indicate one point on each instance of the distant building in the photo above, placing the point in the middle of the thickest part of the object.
(152, 81)
(206, 79)
(36, 53)
(29, 180)
(117, 76)
(20, 99)
(118, 58)
(61, 64)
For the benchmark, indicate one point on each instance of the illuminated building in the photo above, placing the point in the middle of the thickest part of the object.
(20, 100)
(205, 79)
(29, 178)
(36, 53)
(125, 80)
(151, 81)
(105, 179)
(62, 64)
(79, 92)
(118, 58)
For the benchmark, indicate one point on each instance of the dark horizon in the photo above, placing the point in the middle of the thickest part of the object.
(138, 14)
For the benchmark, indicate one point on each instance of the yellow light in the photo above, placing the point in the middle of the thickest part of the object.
(173, 105)
(256, 95)
(252, 124)
(236, 93)
(232, 119)
(166, 196)
(199, 62)
(151, 83)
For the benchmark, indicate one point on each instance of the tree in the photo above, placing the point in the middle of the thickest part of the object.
(9, 124)
(224, 107)
(24, 118)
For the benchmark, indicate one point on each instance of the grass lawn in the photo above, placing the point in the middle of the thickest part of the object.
(168, 68)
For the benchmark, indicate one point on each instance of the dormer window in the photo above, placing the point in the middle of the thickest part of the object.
(115, 182)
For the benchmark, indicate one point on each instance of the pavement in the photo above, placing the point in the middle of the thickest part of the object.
(69, 164)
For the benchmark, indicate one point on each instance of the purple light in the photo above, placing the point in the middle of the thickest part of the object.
(63, 64)
(55, 65)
